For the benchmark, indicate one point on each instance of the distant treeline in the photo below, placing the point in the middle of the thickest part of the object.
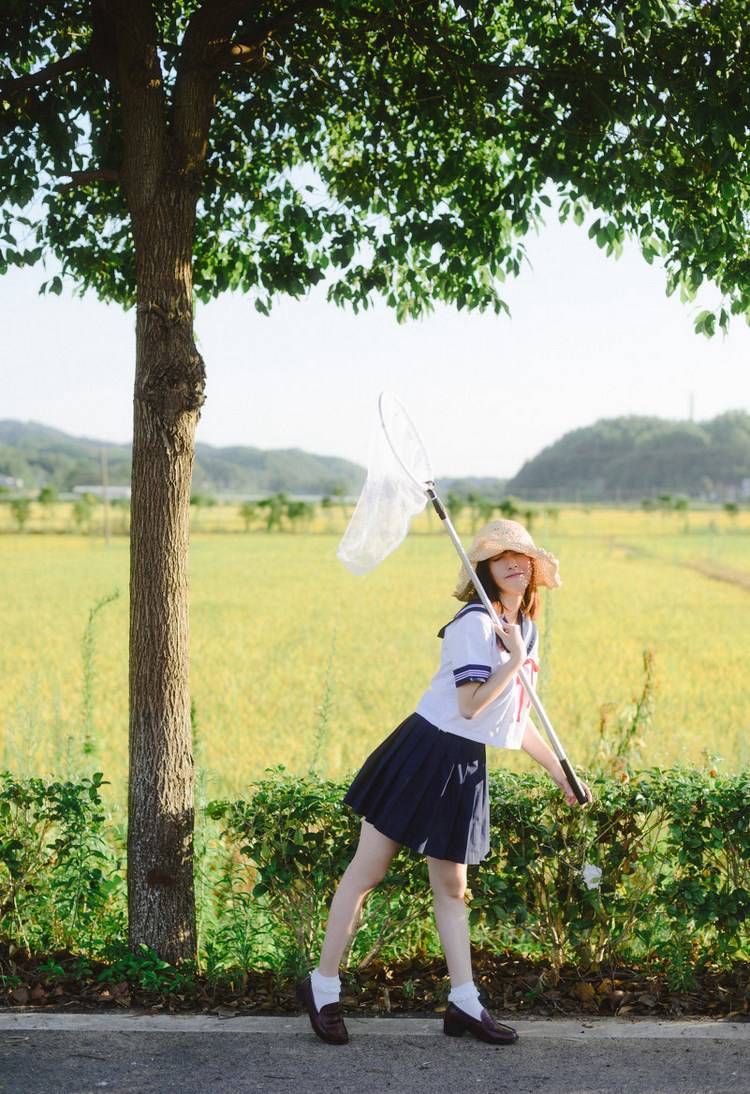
(614, 460)
(38, 456)
(277, 513)
(623, 459)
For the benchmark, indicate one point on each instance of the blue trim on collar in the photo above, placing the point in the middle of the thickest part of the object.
(478, 607)
(528, 627)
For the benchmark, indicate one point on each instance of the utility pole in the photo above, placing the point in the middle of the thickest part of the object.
(105, 495)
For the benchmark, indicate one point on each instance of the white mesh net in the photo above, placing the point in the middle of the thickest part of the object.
(390, 497)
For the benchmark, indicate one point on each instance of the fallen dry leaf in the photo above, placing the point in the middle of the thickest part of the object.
(585, 991)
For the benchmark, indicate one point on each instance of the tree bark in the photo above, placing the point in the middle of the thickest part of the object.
(169, 385)
(164, 153)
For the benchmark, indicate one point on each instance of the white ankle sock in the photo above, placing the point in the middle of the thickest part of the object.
(466, 998)
(325, 989)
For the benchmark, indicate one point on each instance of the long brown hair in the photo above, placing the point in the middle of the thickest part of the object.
(530, 603)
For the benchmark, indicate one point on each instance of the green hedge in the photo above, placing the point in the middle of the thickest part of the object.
(673, 848)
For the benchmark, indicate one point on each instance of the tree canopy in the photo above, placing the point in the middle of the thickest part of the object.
(392, 148)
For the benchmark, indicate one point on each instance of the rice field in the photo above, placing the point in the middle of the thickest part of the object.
(294, 660)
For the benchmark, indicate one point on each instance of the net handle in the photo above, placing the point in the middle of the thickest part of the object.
(535, 700)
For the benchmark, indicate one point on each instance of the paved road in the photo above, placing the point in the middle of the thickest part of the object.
(134, 1054)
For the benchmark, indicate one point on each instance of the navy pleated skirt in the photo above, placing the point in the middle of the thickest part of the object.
(427, 790)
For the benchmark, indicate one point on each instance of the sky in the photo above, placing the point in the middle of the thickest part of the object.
(589, 337)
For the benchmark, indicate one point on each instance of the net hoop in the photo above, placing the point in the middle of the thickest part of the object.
(399, 408)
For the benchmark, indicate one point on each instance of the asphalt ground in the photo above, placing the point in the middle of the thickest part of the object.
(64, 1053)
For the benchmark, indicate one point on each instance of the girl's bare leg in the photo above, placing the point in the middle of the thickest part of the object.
(368, 867)
(448, 881)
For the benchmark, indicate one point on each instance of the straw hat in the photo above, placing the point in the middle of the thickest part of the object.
(507, 535)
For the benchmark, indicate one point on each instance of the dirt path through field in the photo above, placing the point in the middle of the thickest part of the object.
(715, 571)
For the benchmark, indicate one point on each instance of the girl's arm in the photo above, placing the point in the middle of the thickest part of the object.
(540, 751)
(474, 697)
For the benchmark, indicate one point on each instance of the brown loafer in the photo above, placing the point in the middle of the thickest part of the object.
(327, 1022)
(456, 1022)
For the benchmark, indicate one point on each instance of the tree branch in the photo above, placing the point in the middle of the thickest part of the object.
(208, 33)
(207, 49)
(73, 63)
(80, 178)
(250, 48)
(217, 18)
(238, 53)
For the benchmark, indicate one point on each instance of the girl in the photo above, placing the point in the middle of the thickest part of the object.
(425, 786)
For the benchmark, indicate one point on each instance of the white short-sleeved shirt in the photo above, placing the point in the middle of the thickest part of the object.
(472, 651)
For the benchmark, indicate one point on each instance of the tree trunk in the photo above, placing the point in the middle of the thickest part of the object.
(169, 384)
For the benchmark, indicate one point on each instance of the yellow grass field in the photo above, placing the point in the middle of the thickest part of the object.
(287, 644)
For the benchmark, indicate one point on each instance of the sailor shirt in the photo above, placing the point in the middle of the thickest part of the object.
(472, 651)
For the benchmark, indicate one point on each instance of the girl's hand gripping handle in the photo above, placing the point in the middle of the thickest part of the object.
(511, 638)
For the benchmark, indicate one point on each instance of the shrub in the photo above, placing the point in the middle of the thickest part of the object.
(672, 846)
(298, 841)
(656, 870)
(58, 876)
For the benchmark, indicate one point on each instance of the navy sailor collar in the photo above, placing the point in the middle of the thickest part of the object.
(476, 606)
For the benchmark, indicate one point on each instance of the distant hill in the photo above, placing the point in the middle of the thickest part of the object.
(614, 459)
(630, 458)
(40, 456)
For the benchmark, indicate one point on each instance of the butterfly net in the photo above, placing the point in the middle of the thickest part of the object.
(393, 494)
